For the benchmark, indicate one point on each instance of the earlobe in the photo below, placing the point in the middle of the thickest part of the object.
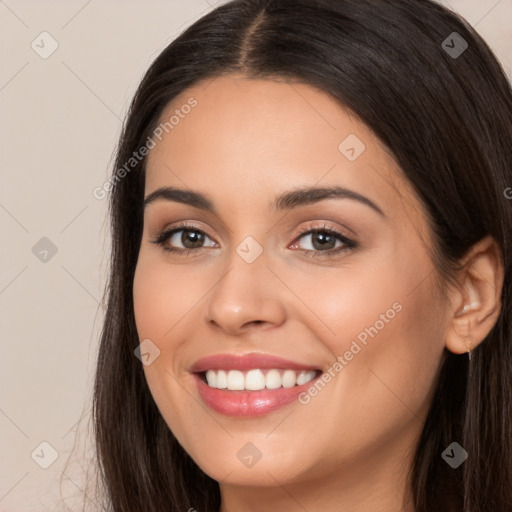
(463, 331)
(476, 303)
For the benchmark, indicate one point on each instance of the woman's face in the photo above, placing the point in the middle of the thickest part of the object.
(338, 286)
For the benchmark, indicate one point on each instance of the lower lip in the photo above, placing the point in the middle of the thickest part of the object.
(249, 403)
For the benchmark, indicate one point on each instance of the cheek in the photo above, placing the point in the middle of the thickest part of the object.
(383, 319)
(383, 299)
(163, 295)
(167, 300)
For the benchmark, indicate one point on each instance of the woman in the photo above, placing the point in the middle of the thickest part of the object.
(310, 299)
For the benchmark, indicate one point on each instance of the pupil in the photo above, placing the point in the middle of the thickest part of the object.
(192, 239)
(323, 239)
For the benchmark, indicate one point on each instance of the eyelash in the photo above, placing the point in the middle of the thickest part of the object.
(348, 243)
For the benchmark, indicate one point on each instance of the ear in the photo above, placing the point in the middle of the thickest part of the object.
(476, 300)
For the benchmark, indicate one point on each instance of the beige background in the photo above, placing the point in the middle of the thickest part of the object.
(60, 120)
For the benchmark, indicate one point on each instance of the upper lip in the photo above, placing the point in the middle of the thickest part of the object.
(246, 362)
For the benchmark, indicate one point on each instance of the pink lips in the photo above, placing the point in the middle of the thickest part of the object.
(247, 403)
(244, 362)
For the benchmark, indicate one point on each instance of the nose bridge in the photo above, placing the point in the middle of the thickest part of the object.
(247, 292)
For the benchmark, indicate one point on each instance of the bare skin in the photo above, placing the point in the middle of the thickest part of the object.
(243, 145)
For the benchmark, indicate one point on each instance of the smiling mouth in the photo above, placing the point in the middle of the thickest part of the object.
(257, 379)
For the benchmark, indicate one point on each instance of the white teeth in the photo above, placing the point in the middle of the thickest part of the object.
(256, 380)
(211, 378)
(289, 379)
(235, 380)
(273, 379)
(222, 380)
(302, 378)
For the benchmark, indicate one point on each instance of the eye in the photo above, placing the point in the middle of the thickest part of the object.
(322, 240)
(313, 241)
(190, 237)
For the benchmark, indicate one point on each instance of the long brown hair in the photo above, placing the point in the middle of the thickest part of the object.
(446, 118)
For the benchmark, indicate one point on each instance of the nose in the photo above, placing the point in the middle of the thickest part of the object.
(248, 296)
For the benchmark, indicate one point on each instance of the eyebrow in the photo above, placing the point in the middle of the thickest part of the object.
(286, 201)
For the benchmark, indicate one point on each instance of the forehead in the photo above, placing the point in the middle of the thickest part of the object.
(254, 138)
